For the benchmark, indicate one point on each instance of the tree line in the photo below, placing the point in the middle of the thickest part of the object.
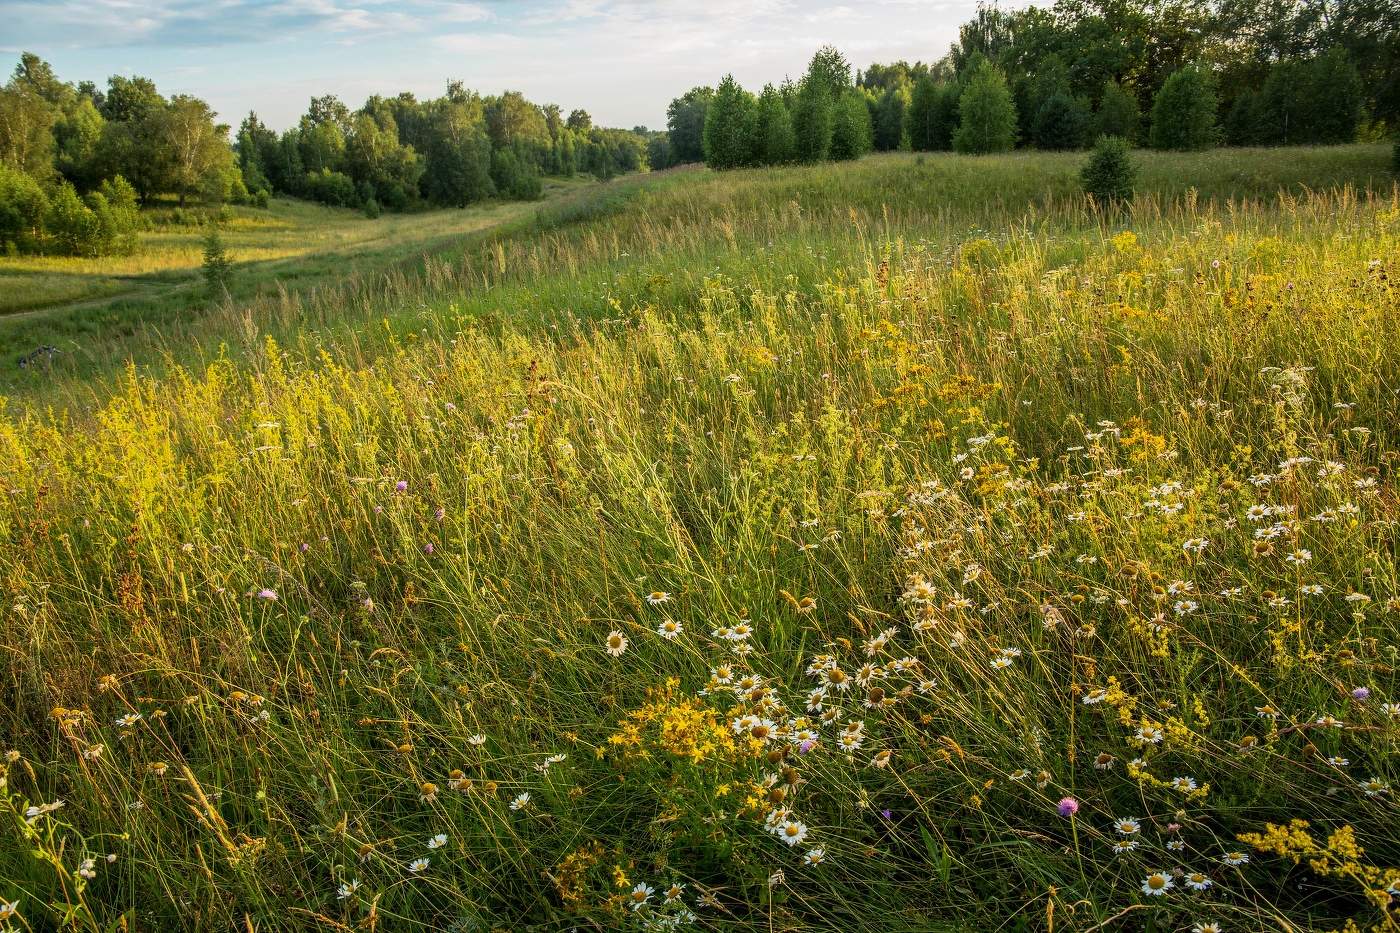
(78, 161)
(1171, 74)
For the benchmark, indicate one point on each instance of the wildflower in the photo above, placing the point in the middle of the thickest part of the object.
(657, 598)
(1176, 845)
(1235, 858)
(347, 889)
(1149, 734)
(438, 841)
(130, 719)
(1002, 662)
(158, 768)
(1183, 784)
(94, 752)
(641, 893)
(87, 869)
(1374, 786)
(1127, 826)
(1207, 926)
(521, 801)
(1331, 722)
(1020, 774)
(1197, 881)
(1337, 761)
(1124, 846)
(1157, 884)
(1067, 806)
(1360, 693)
(793, 832)
(1195, 545)
(1097, 695)
(617, 643)
(673, 893)
(814, 856)
(427, 792)
(1301, 556)
(418, 865)
(477, 740)
(669, 629)
(268, 594)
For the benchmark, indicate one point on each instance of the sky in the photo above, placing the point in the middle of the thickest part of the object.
(621, 60)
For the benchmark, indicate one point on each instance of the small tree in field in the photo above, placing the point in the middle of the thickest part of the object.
(1109, 173)
(1183, 114)
(987, 113)
(217, 266)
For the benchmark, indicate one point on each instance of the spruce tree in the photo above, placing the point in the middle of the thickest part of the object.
(1183, 113)
(1061, 123)
(1109, 173)
(986, 113)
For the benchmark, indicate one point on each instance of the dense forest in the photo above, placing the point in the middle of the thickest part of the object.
(77, 162)
(1173, 74)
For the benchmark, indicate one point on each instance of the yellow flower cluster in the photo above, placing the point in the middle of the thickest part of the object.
(1341, 857)
(679, 726)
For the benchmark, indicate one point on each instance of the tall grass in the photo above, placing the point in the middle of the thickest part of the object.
(1082, 530)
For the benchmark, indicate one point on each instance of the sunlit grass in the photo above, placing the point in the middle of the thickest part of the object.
(1083, 528)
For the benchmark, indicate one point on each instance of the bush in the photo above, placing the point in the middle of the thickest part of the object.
(515, 177)
(333, 188)
(1183, 114)
(987, 114)
(1109, 173)
(72, 227)
(261, 198)
(23, 207)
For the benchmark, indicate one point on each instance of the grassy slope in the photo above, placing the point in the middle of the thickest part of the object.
(841, 384)
(93, 309)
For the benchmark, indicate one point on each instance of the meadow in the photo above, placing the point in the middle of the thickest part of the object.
(895, 546)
